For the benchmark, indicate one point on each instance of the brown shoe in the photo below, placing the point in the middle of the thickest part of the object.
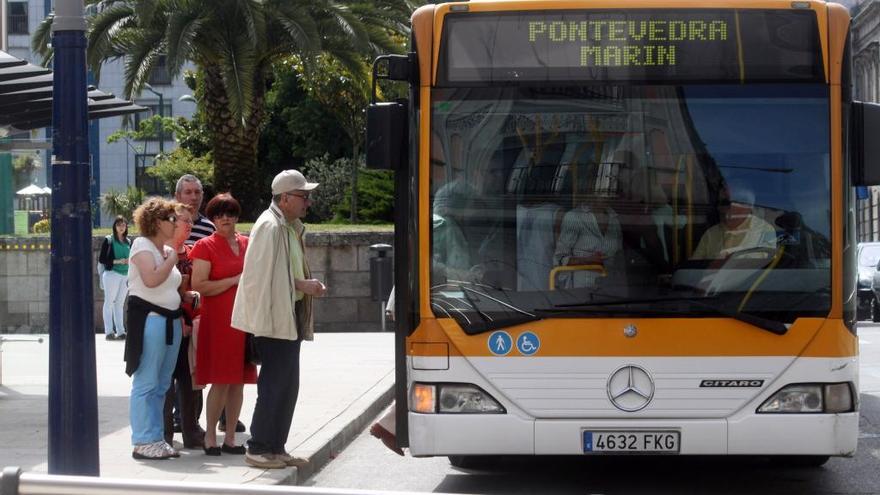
(290, 460)
(386, 436)
(264, 461)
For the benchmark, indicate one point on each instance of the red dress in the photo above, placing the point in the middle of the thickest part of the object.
(220, 352)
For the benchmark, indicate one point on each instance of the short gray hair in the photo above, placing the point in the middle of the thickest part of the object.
(186, 178)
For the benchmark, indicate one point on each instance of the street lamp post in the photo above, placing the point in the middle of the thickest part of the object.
(161, 116)
(73, 396)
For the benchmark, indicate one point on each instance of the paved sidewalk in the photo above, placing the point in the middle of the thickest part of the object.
(346, 380)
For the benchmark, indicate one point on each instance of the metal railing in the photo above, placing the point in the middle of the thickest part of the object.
(14, 338)
(14, 482)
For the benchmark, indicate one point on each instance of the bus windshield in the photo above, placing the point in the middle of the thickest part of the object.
(625, 200)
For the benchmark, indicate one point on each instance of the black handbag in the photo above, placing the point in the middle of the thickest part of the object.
(250, 350)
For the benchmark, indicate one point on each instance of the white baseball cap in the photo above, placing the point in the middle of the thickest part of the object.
(291, 180)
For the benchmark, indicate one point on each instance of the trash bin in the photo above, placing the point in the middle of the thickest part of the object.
(381, 277)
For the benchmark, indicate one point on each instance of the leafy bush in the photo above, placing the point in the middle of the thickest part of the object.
(375, 197)
(42, 226)
(335, 179)
(122, 203)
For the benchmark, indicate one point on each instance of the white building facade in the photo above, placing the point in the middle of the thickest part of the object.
(865, 36)
(123, 163)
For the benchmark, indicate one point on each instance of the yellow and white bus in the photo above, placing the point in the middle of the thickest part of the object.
(626, 228)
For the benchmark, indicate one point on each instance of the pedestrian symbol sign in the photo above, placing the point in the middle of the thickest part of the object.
(528, 343)
(500, 343)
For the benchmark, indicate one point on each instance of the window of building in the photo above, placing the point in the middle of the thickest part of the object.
(160, 75)
(142, 180)
(18, 18)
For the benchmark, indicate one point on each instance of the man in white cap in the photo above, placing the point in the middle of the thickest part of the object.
(274, 303)
(739, 229)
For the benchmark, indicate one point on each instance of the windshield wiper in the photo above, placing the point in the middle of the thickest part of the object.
(771, 326)
(488, 323)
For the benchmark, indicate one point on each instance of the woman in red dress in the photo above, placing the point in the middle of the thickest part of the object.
(217, 265)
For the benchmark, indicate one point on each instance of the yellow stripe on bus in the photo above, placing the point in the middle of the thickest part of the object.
(683, 337)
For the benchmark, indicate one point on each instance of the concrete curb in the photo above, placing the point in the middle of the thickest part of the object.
(339, 431)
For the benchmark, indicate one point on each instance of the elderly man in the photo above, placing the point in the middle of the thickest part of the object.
(739, 229)
(274, 303)
(189, 192)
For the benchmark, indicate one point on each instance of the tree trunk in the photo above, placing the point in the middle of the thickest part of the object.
(235, 146)
(353, 217)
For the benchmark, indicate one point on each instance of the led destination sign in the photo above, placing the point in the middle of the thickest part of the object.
(631, 45)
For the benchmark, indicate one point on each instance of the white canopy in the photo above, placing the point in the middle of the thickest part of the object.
(31, 190)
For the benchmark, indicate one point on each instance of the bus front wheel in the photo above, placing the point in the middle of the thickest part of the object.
(470, 461)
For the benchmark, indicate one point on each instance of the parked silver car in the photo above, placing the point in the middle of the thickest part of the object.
(869, 282)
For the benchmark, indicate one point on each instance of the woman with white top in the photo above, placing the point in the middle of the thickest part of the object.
(114, 279)
(154, 328)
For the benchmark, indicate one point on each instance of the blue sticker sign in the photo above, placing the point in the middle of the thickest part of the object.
(500, 343)
(528, 343)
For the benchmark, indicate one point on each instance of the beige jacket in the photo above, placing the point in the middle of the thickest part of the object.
(264, 303)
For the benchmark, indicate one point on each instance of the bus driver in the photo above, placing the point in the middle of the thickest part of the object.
(738, 230)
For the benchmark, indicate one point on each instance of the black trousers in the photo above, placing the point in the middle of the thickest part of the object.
(277, 391)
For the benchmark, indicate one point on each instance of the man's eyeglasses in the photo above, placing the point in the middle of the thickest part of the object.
(305, 197)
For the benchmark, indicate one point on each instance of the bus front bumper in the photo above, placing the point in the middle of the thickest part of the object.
(765, 434)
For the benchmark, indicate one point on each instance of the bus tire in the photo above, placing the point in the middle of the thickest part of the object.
(470, 461)
(802, 461)
(875, 311)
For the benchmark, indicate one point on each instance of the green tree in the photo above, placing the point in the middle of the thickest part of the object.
(170, 166)
(233, 43)
(345, 96)
(298, 127)
(149, 129)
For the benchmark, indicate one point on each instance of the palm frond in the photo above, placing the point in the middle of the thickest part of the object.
(298, 24)
(102, 28)
(238, 68)
(144, 48)
(41, 41)
(338, 21)
(183, 29)
(145, 10)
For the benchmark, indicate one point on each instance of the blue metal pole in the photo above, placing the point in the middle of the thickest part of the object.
(73, 397)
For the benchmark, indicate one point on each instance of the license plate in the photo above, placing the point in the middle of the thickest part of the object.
(631, 441)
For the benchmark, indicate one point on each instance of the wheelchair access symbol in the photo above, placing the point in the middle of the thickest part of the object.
(500, 343)
(528, 343)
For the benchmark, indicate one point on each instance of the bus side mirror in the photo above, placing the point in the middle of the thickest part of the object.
(387, 125)
(864, 145)
(387, 138)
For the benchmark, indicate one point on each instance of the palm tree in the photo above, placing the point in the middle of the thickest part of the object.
(233, 44)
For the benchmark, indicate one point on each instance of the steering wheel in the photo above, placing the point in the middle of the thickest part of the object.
(768, 252)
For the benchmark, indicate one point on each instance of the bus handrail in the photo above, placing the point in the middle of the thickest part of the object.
(575, 268)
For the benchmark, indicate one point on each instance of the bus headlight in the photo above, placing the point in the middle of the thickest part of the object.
(811, 398)
(467, 399)
(452, 398)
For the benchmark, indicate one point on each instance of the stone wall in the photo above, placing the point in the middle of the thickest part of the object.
(340, 259)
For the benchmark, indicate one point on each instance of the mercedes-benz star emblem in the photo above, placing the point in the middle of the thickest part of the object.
(630, 388)
(630, 331)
